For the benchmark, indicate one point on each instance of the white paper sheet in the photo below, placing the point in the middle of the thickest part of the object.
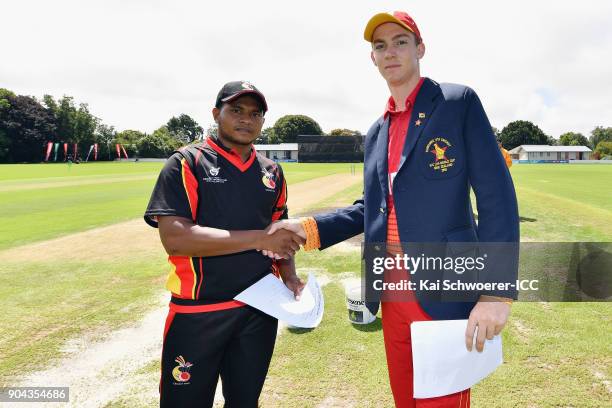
(442, 364)
(271, 296)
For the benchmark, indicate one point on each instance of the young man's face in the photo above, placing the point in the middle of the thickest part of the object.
(240, 121)
(396, 53)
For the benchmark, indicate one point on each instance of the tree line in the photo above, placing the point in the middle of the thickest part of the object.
(521, 132)
(28, 124)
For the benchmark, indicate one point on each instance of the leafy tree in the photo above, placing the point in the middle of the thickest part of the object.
(85, 125)
(522, 132)
(212, 130)
(5, 142)
(599, 134)
(50, 103)
(287, 128)
(105, 137)
(344, 132)
(185, 128)
(74, 125)
(158, 144)
(267, 136)
(495, 132)
(64, 112)
(5, 94)
(573, 139)
(604, 149)
(129, 139)
(25, 127)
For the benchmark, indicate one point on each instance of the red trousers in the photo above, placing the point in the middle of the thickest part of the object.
(396, 319)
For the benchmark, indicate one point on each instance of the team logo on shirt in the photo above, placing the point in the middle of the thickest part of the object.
(268, 179)
(181, 371)
(214, 171)
(440, 147)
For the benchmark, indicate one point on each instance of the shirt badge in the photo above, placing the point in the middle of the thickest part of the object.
(214, 171)
(268, 179)
(440, 149)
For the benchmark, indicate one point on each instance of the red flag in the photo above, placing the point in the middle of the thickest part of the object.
(118, 151)
(95, 151)
(124, 152)
(65, 151)
(49, 146)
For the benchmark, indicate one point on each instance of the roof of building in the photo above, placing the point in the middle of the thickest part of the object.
(281, 146)
(546, 148)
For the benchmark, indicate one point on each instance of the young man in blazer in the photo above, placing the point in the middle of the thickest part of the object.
(432, 143)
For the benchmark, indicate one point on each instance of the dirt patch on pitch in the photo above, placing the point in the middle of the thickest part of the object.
(99, 372)
(135, 238)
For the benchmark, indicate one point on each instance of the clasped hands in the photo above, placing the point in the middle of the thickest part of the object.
(282, 239)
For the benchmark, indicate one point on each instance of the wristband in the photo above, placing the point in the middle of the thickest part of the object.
(312, 234)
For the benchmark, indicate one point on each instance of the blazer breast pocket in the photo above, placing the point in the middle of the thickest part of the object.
(440, 158)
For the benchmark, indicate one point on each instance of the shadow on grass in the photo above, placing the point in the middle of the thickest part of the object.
(521, 219)
(375, 326)
(298, 330)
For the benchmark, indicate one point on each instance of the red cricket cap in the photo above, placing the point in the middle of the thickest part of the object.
(398, 17)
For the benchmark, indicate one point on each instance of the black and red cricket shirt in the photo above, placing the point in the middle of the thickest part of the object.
(211, 185)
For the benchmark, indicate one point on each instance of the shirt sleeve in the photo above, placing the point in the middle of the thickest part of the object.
(175, 193)
(280, 211)
(507, 157)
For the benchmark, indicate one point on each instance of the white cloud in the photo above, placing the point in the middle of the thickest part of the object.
(139, 62)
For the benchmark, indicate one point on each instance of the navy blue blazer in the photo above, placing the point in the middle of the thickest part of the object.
(450, 147)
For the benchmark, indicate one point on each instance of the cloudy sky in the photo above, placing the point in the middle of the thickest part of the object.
(137, 63)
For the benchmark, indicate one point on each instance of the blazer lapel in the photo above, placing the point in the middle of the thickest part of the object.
(426, 102)
(382, 145)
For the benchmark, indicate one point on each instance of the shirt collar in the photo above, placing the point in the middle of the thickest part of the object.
(231, 155)
(233, 152)
(390, 108)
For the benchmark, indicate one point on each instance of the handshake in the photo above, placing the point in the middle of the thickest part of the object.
(282, 239)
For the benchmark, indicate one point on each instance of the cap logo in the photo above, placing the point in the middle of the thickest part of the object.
(247, 85)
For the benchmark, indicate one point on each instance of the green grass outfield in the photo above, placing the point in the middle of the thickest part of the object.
(556, 355)
(564, 202)
(43, 201)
